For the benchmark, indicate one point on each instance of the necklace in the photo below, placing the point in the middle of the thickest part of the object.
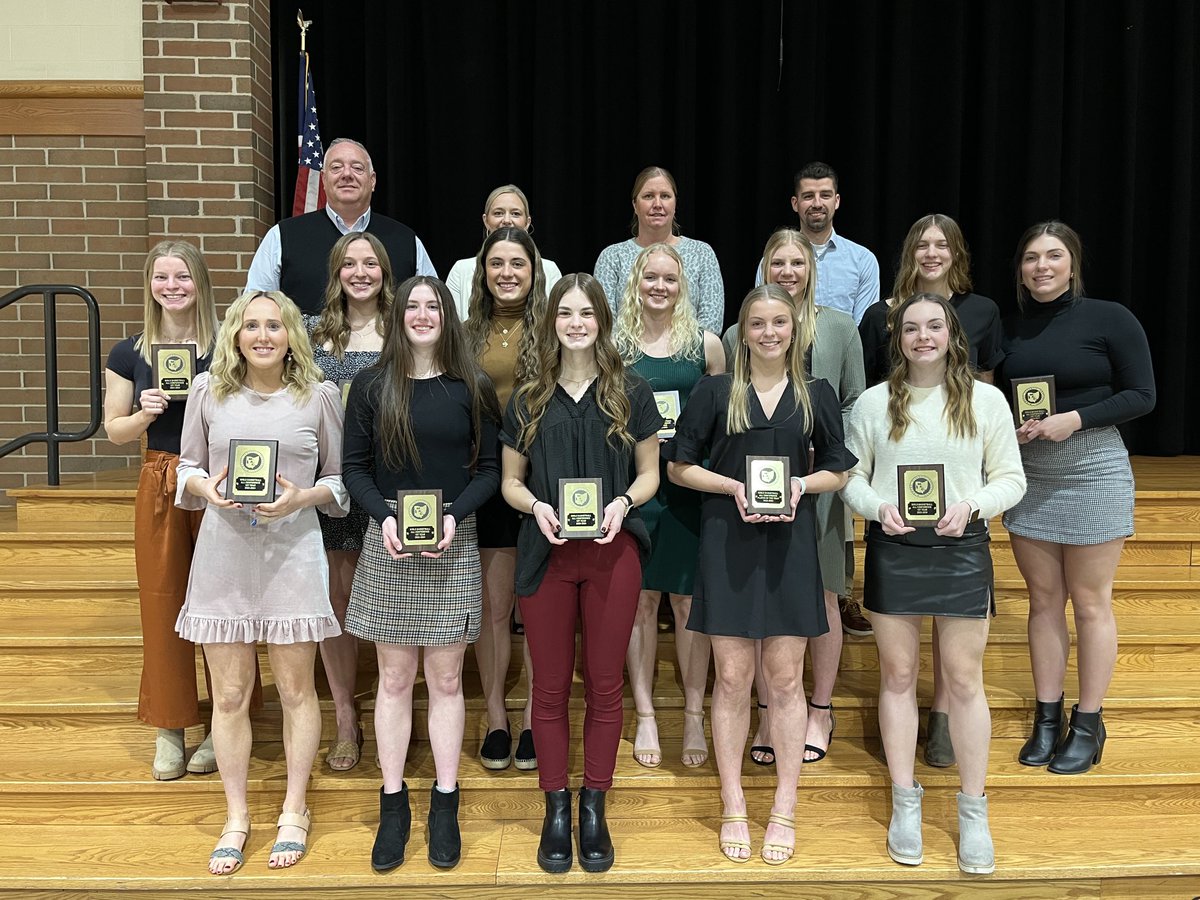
(509, 332)
(562, 380)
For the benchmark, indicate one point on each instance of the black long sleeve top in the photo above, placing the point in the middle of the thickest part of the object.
(1095, 349)
(441, 422)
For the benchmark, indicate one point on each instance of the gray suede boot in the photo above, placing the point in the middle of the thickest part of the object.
(976, 856)
(904, 831)
(939, 752)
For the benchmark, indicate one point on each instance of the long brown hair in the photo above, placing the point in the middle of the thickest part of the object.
(960, 379)
(453, 355)
(334, 326)
(958, 279)
(737, 412)
(482, 305)
(611, 396)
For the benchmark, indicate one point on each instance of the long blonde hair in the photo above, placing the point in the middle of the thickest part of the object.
(959, 415)
(204, 309)
(806, 303)
(334, 326)
(611, 395)
(228, 370)
(738, 411)
(687, 341)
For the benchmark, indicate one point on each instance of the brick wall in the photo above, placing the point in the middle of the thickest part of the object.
(208, 131)
(83, 196)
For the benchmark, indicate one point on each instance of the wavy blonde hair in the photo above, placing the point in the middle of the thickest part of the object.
(228, 370)
(334, 326)
(687, 340)
(204, 309)
(738, 410)
(960, 379)
(611, 384)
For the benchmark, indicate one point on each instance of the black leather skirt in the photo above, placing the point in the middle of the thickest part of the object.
(922, 574)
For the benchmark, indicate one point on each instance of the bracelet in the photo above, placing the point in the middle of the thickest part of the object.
(803, 486)
(535, 502)
(627, 500)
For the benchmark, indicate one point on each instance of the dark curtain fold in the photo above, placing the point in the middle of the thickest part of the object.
(997, 112)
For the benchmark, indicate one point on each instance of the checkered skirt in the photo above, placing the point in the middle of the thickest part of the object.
(1079, 491)
(417, 601)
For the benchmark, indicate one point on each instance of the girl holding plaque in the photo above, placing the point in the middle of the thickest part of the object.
(658, 337)
(836, 357)
(178, 308)
(932, 412)
(1068, 532)
(506, 207)
(934, 258)
(425, 418)
(346, 338)
(759, 579)
(508, 291)
(583, 416)
(260, 572)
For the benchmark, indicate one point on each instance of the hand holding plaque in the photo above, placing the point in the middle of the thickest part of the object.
(921, 492)
(668, 408)
(174, 368)
(580, 508)
(768, 486)
(1032, 398)
(419, 525)
(252, 468)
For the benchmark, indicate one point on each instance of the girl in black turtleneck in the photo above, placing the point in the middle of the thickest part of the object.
(1068, 530)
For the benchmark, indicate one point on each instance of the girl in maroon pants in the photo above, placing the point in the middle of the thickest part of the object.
(583, 416)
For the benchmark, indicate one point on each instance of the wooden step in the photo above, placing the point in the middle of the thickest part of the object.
(841, 835)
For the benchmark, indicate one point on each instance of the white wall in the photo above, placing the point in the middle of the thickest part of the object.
(84, 40)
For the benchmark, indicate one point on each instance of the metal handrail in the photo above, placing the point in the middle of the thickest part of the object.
(52, 437)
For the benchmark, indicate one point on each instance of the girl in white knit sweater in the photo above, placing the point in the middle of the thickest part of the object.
(931, 411)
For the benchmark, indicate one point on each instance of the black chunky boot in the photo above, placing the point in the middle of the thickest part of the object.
(445, 841)
(1083, 746)
(595, 845)
(395, 822)
(1048, 725)
(554, 851)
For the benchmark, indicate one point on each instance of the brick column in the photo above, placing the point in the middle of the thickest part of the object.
(209, 143)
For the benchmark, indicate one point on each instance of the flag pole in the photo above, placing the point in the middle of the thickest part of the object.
(303, 23)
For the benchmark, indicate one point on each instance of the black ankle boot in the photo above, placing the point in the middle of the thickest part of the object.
(445, 842)
(1083, 746)
(1048, 725)
(595, 845)
(395, 822)
(554, 851)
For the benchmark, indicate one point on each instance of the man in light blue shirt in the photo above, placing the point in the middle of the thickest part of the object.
(847, 273)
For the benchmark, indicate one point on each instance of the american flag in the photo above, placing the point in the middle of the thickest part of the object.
(310, 193)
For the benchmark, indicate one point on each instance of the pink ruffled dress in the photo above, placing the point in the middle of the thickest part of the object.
(265, 582)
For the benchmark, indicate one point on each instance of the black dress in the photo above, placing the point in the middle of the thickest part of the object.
(758, 580)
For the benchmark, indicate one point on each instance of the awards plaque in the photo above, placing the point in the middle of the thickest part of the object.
(251, 477)
(580, 508)
(419, 520)
(174, 368)
(768, 485)
(1033, 398)
(668, 408)
(922, 494)
(344, 387)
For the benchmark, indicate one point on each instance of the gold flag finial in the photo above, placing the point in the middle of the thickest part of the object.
(303, 23)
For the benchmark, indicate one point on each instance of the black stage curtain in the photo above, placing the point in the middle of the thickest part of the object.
(999, 113)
